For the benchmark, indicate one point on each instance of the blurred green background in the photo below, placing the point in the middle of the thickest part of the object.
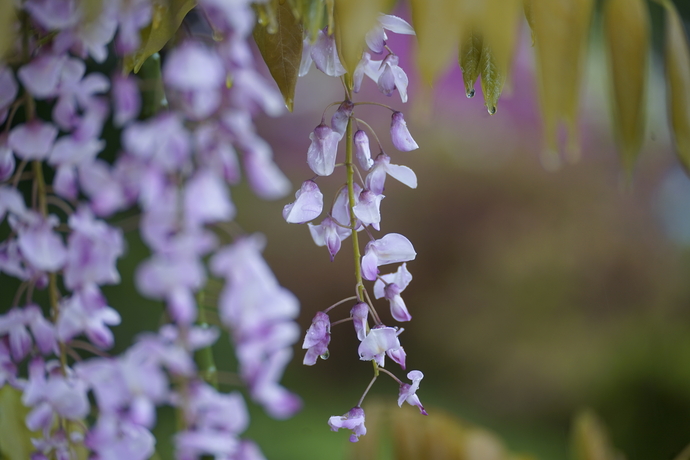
(535, 293)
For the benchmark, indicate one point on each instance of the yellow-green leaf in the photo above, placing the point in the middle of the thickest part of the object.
(15, 437)
(470, 56)
(282, 50)
(353, 19)
(493, 78)
(499, 27)
(7, 19)
(590, 441)
(437, 24)
(626, 32)
(166, 19)
(677, 63)
(560, 29)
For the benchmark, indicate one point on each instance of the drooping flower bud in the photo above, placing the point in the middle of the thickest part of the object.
(402, 139)
(323, 149)
(340, 117)
(362, 151)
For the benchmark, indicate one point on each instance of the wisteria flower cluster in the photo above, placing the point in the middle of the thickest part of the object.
(356, 208)
(58, 195)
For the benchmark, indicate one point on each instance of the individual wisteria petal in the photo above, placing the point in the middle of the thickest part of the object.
(341, 116)
(33, 140)
(328, 233)
(376, 179)
(353, 420)
(42, 330)
(323, 150)
(381, 341)
(7, 161)
(265, 389)
(366, 66)
(11, 201)
(325, 55)
(8, 370)
(126, 99)
(390, 249)
(193, 66)
(390, 286)
(69, 150)
(264, 176)
(392, 77)
(307, 206)
(362, 150)
(163, 140)
(207, 199)
(114, 437)
(360, 315)
(54, 15)
(400, 135)
(92, 251)
(42, 247)
(408, 393)
(13, 324)
(317, 338)
(305, 63)
(214, 151)
(41, 76)
(340, 212)
(87, 312)
(376, 37)
(368, 210)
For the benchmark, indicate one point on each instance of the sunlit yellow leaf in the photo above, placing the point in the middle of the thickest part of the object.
(437, 24)
(15, 437)
(626, 32)
(499, 26)
(353, 19)
(470, 56)
(7, 20)
(282, 50)
(167, 18)
(493, 78)
(677, 63)
(560, 29)
(590, 441)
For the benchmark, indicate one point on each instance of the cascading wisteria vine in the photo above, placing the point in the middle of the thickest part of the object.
(175, 167)
(356, 207)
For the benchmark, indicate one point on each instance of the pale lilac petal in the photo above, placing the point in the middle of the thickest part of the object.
(360, 315)
(375, 39)
(8, 88)
(33, 140)
(368, 210)
(379, 341)
(207, 199)
(400, 135)
(341, 116)
(353, 420)
(395, 24)
(362, 151)
(386, 81)
(65, 182)
(402, 174)
(325, 55)
(398, 355)
(43, 248)
(392, 248)
(308, 204)
(193, 66)
(126, 99)
(305, 63)
(7, 162)
(317, 338)
(42, 75)
(323, 150)
(264, 176)
(408, 393)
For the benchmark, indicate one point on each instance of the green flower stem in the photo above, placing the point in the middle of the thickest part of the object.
(353, 224)
(204, 357)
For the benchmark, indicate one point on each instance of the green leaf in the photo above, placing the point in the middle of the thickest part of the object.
(282, 50)
(492, 78)
(470, 57)
(15, 437)
(626, 33)
(353, 19)
(677, 63)
(437, 24)
(166, 19)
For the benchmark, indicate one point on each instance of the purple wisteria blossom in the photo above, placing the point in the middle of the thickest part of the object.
(390, 286)
(360, 315)
(402, 140)
(324, 55)
(390, 249)
(368, 209)
(376, 37)
(353, 420)
(33, 140)
(408, 393)
(362, 150)
(323, 150)
(330, 234)
(87, 312)
(317, 338)
(381, 341)
(376, 179)
(307, 206)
